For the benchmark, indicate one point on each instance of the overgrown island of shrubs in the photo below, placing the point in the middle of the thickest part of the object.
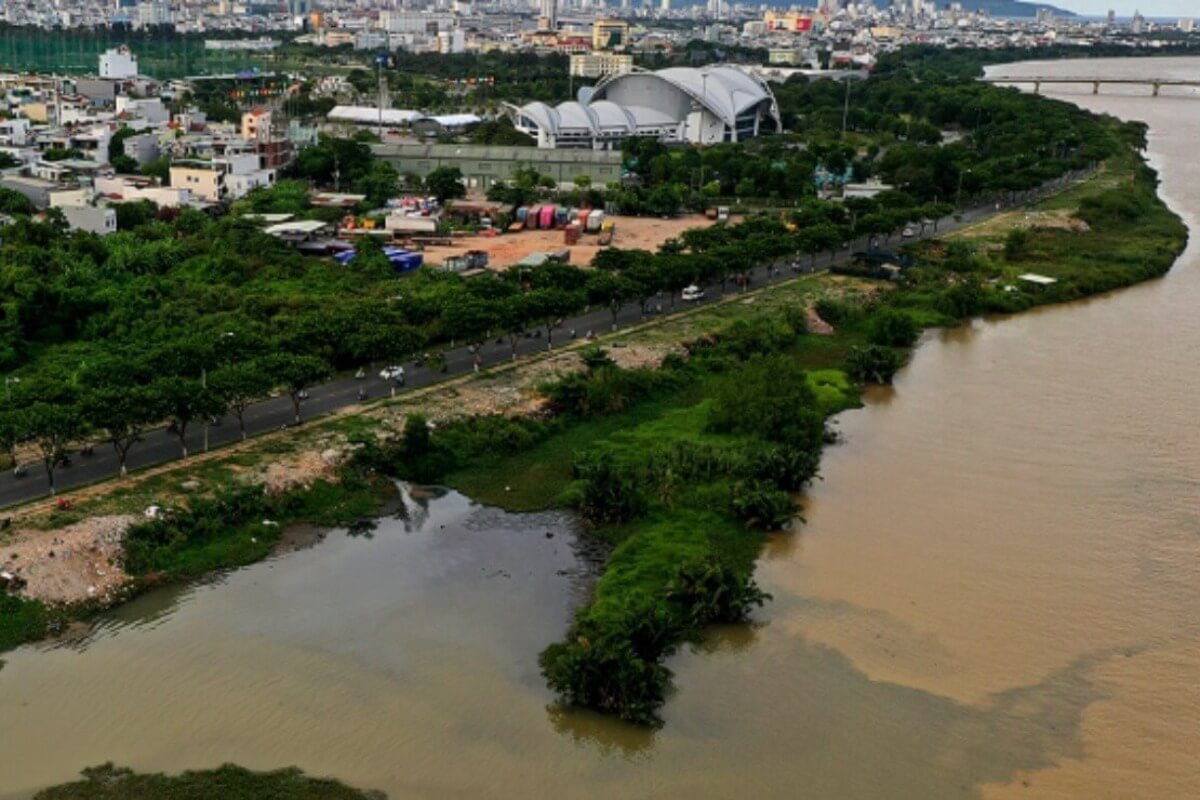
(686, 467)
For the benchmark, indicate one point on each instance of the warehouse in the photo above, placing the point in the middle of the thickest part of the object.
(483, 165)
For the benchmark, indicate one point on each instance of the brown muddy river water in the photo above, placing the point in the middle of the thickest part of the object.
(997, 595)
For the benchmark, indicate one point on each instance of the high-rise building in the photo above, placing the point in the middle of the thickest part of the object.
(609, 34)
(549, 16)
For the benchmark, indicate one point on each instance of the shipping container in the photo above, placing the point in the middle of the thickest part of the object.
(594, 220)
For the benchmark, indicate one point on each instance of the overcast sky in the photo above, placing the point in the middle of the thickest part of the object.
(1125, 8)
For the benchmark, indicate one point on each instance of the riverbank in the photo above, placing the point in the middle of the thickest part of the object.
(662, 478)
(1130, 244)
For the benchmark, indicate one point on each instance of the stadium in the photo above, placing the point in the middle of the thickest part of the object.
(678, 105)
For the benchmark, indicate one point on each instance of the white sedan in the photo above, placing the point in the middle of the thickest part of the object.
(391, 373)
(692, 293)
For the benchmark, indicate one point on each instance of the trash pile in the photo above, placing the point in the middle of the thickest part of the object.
(74, 564)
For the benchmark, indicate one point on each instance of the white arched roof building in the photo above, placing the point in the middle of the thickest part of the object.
(681, 104)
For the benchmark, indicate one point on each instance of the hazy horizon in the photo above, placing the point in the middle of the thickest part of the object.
(1152, 8)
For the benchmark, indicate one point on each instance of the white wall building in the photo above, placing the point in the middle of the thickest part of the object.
(119, 63)
(122, 189)
(100, 220)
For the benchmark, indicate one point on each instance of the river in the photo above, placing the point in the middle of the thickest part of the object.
(997, 595)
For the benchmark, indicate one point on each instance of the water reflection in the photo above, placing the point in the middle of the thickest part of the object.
(600, 733)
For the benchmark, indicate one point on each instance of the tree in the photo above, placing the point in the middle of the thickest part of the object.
(549, 307)
(380, 184)
(53, 428)
(296, 373)
(445, 183)
(182, 401)
(13, 202)
(122, 414)
(770, 397)
(12, 432)
(239, 386)
(664, 201)
(611, 291)
(471, 321)
(1016, 244)
(647, 279)
(515, 313)
(893, 328)
(872, 364)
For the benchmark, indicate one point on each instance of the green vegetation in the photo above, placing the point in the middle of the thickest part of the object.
(235, 526)
(22, 621)
(228, 782)
(682, 468)
(242, 524)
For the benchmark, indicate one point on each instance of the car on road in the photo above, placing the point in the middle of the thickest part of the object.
(391, 373)
(692, 293)
(909, 232)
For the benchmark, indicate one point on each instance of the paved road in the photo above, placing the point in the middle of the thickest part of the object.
(159, 446)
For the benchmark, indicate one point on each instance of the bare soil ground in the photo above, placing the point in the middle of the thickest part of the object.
(70, 565)
(644, 233)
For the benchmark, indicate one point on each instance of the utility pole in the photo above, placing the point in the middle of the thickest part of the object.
(846, 107)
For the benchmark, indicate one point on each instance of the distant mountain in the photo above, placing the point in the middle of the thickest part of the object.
(1012, 8)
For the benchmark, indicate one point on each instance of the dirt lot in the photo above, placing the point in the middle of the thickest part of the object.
(645, 233)
(70, 565)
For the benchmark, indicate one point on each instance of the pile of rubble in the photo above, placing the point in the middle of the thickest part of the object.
(75, 564)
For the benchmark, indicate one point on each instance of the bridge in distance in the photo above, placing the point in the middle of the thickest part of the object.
(1095, 83)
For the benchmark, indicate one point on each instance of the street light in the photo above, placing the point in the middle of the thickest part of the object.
(958, 194)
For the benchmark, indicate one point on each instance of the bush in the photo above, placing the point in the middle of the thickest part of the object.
(605, 390)
(892, 328)
(610, 661)
(836, 312)
(872, 364)
(787, 468)
(1016, 244)
(613, 665)
(230, 782)
(609, 494)
(227, 530)
(745, 339)
(709, 592)
(771, 398)
(21, 620)
(596, 357)
(760, 505)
